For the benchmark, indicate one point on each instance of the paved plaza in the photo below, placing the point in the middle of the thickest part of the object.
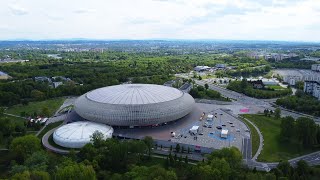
(210, 136)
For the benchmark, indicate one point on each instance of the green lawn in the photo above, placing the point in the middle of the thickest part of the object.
(276, 87)
(49, 127)
(254, 137)
(273, 149)
(52, 104)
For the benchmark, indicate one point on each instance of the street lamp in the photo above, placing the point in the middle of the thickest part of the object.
(220, 117)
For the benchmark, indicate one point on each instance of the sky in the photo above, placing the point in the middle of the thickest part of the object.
(287, 20)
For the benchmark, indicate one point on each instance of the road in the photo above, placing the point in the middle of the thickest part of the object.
(258, 105)
(255, 105)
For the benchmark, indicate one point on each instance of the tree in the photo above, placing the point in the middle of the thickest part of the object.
(284, 167)
(38, 95)
(303, 169)
(75, 171)
(24, 146)
(38, 161)
(277, 113)
(232, 155)
(206, 86)
(287, 128)
(149, 143)
(1, 111)
(97, 138)
(153, 172)
(299, 85)
(200, 78)
(186, 160)
(306, 131)
(177, 148)
(182, 149)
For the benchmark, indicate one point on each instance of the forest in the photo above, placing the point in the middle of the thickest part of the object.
(134, 159)
(247, 89)
(301, 102)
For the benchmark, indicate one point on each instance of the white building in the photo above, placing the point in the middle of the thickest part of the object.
(315, 67)
(270, 81)
(312, 88)
(78, 134)
(202, 68)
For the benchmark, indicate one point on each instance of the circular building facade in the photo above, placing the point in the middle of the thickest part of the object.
(134, 105)
(78, 134)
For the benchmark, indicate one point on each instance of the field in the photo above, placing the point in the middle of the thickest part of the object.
(273, 149)
(276, 87)
(52, 104)
(254, 137)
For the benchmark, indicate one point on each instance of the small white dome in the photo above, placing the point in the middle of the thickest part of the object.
(78, 134)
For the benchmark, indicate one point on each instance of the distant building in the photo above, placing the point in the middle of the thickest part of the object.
(186, 87)
(257, 84)
(202, 68)
(315, 67)
(292, 79)
(56, 84)
(221, 66)
(269, 81)
(308, 58)
(42, 79)
(312, 88)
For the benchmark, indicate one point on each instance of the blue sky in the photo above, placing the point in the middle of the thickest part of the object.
(290, 20)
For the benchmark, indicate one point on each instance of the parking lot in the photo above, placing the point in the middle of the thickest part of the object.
(210, 136)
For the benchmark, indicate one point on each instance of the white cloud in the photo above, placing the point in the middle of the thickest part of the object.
(147, 19)
(16, 10)
(84, 11)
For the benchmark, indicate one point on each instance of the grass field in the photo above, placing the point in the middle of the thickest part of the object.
(52, 104)
(254, 137)
(49, 127)
(273, 149)
(276, 87)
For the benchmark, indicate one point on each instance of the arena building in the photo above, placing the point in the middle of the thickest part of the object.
(78, 134)
(134, 105)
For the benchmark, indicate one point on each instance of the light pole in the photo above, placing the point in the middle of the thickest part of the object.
(220, 117)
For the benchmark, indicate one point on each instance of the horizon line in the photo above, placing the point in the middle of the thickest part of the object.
(150, 39)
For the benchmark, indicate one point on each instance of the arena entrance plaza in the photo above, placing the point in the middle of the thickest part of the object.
(206, 137)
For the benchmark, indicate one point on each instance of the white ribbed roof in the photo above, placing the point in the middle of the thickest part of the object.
(77, 134)
(134, 94)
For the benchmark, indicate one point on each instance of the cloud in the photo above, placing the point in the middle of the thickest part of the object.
(16, 10)
(83, 11)
(148, 19)
(142, 21)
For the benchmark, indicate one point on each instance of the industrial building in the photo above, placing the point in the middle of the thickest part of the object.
(78, 134)
(312, 88)
(133, 105)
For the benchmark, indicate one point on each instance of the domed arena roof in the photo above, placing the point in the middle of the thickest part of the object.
(78, 134)
(134, 105)
(134, 94)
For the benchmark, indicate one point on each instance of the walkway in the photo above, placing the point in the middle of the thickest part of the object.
(260, 142)
(48, 146)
